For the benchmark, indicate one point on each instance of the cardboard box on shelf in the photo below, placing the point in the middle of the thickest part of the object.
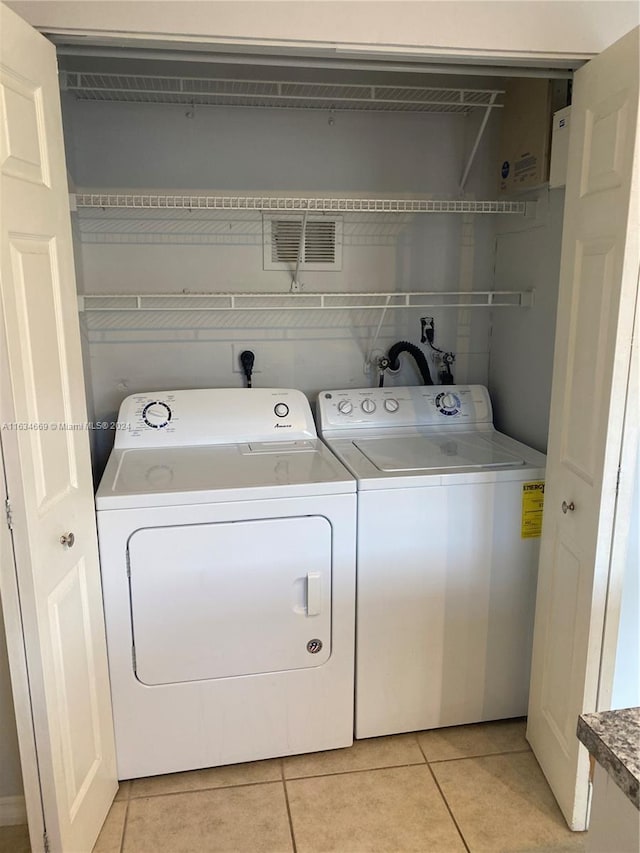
(526, 134)
(559, 148)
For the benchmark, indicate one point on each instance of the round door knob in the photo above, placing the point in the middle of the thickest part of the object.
(67, 539)
(568, 507)
(345, 407)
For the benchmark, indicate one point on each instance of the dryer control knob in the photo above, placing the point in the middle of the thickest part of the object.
(281, 410)
(391, 405)
(345, 407)
(368, 406)
(156, 414)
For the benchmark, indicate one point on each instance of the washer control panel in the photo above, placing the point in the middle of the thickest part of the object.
(416, 405)
(213, 416)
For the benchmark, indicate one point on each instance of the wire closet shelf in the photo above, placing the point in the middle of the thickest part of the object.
(289, 94)
(170, 201)
(303, 301)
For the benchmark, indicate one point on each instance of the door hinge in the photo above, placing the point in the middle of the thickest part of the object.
(45, 839)
(7, 509)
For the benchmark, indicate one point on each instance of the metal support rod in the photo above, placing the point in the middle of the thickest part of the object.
(375, 337)
(295, 286)
(483, 124)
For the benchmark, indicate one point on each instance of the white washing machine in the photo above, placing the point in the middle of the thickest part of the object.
(227, 545)
(449, 515)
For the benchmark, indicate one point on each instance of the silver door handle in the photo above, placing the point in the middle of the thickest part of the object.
(67, 539)
(568, 507)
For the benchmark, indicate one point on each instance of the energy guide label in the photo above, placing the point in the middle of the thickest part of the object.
(532, 507)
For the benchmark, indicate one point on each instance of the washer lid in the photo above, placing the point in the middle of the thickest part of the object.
(449, 450)
(212, 474)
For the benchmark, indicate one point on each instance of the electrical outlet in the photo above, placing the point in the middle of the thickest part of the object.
(236, 349)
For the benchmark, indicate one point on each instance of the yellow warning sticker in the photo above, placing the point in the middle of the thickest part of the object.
(532, 506)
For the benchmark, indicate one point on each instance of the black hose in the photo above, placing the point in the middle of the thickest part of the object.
(416, 352)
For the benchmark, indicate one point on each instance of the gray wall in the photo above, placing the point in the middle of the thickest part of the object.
(522, 342)
(10, 773)
(271, 151)
(626, 681)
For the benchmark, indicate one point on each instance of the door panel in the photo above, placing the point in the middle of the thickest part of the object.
(23, 142)
(39, 333)
(606, 128)
(559, 663)
(598, 287)
(585, 376)
(77, 691)
(221, 600)
(46, 454)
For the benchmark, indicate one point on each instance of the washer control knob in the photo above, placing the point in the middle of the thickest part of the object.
(391, 405)
(368, 406)
(449, 401)
(345, 407)
(281, 410)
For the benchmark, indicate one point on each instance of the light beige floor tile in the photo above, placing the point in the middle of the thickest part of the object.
(470, 741)
(398, 810)
(14, 839)
(124, 789)
(394, 751)
(503, 803)
(213, 777)
(252, 819)
(110, 838)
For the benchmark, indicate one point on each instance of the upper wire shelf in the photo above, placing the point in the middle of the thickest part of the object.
(303, 301)
(205, 91)
(273, 203)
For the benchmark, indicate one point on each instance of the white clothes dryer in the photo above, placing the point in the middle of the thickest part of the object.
(227, 546)
(449, 511)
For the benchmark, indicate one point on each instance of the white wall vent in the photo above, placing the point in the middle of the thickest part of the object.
(322, 249)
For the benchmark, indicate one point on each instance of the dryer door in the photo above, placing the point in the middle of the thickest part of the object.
(228, 599)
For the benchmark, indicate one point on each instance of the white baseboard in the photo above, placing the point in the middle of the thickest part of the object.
(13, 811)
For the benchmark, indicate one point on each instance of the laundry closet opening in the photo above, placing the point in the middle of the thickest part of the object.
(193, 181)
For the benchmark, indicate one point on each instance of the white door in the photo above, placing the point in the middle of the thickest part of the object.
(47, 465)
(598, 285)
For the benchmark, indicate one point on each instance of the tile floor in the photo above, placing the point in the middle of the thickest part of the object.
(472, 788)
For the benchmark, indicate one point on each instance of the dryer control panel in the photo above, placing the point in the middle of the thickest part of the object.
(409, 406)
(213, 416)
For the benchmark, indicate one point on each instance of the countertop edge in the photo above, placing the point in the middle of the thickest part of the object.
(614, 763)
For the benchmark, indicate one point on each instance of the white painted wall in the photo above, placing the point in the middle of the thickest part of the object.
(10, 774)
(626, 680)
(286, 152)
(521, 360)
(512, 27)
